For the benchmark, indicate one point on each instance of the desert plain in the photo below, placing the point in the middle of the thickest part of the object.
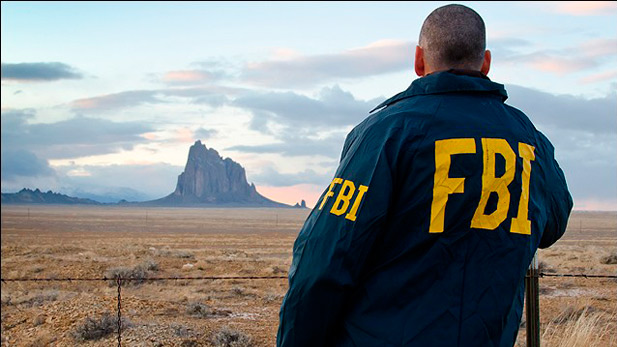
(72, 249)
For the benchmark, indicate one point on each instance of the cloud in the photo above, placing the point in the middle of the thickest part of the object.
(190, 77)
(204, 134)
(563, 112)
(575, 59)
(22, 163)
(33, 72)
(585, 8)
(300, 148)
(300, 71)
(117, 100)
(214, 96)
(302, 125)
(271, 177)
(72, 138)
(332, 107)
(584, 133)
(199, 73)
(599, 77)
(558, 65)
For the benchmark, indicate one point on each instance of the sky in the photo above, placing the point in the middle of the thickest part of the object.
(104, 99)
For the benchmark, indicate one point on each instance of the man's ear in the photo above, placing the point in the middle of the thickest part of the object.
(486, 64)
(419, 62)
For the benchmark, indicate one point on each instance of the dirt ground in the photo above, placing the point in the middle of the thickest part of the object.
(59, 242)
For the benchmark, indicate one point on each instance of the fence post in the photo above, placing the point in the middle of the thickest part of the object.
(119, 281)
(532, 303)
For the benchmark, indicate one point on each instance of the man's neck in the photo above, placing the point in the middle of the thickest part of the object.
(463, 72)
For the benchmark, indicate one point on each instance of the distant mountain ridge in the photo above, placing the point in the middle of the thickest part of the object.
(28, 196)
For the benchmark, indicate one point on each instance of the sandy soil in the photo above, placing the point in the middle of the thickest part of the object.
(93, 242)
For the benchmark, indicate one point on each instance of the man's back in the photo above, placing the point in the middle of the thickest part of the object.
(424, 235)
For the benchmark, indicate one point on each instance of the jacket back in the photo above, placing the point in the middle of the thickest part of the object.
(424, 236)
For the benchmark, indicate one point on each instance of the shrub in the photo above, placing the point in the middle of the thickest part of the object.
(610, 259)
(197, 309)
(272, 297)
(189, 343)
(40, 298)
(545, 267)
(180, 330)
(97, 328)
(278, 270)
(168, 252)
(228, 337)
(150, 265)
(136, 275)
(183, 254)
(238, 291)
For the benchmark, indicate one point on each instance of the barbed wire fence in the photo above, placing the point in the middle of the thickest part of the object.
(119, 281)
(532, 329)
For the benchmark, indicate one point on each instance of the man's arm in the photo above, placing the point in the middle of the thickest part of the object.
(559, 201)
(334, 243)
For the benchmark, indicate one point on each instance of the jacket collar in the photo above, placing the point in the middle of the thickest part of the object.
(451, 81)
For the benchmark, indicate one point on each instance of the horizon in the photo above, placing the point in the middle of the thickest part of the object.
(119, 203)
(108, 97)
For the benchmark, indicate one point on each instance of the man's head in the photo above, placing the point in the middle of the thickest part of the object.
(452, 37)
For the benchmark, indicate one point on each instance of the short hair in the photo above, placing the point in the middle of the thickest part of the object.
(453, 36)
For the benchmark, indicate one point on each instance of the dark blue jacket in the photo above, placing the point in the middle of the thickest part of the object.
(424, 235)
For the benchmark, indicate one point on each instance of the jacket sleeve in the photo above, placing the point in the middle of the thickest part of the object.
(334, 243)
(559, 201)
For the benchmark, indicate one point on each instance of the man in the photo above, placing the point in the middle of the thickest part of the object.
(438, 206)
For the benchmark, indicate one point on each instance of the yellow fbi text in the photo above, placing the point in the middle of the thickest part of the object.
(444, 185)
(343, 201)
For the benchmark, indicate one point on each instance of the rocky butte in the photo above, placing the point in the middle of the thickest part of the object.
(210, 180)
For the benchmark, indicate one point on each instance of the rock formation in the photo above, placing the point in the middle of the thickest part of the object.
(301, 204)
(209, 179)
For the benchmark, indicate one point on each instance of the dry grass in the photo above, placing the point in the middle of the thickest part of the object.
(581, 328)
(78, 242)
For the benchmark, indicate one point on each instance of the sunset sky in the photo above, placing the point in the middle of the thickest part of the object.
(106, 98)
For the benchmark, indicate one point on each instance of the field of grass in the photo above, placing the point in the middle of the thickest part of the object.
(95, 242)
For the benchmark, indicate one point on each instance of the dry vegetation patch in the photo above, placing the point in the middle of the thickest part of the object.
(79, 242)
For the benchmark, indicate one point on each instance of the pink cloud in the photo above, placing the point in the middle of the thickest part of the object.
(585, 8)
(150, 136)
(117, 100)
(86, 104)
(293, 194)
(184, 135)
(599, 77)
(187, 76)
(598, 48)
(575, 59)
(559, 65)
